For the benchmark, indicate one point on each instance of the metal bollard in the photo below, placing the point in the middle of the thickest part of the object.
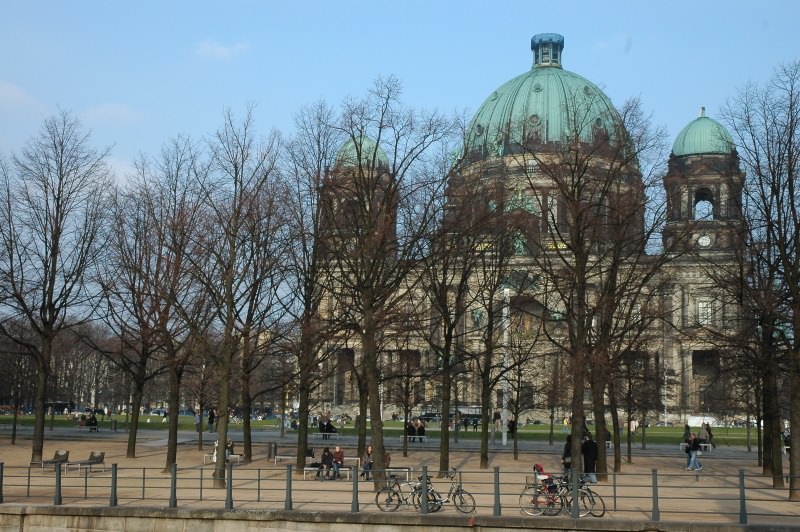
(742, 499)
(354, 503)
(288, 504)
(57, 496)
(112, 500)
(656, 512)
(573, 478)
(423, 507)
(497, 507)
(1, 482)
(229, 487)
(173, 488)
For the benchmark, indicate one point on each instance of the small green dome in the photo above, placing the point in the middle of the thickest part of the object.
(542, 103)
(703, 135)
(364, 149)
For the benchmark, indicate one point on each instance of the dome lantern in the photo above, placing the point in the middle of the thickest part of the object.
(547, 48)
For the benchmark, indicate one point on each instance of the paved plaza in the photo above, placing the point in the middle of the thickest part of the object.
(712, 496)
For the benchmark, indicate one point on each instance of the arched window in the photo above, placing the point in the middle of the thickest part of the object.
(703, 204)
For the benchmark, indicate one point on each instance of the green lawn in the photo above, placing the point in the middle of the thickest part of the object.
(655, 435)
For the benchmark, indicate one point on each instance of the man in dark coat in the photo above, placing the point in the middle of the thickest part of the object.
(589, 452)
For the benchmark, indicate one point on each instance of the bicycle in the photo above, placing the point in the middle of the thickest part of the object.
(461, 498)
(541, 495)
(389, 498)
(589, 501)
(596, 504)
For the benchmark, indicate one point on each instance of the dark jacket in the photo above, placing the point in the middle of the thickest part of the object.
(326, 459)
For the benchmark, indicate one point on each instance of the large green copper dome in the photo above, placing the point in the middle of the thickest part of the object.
(362, 149)
(547, 104)
(703, 135)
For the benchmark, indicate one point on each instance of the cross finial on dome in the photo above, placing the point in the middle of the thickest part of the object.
(702, 111)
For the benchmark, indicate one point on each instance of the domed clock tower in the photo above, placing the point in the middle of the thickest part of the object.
(704, 190)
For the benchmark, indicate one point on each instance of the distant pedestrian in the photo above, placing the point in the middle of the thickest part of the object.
(566, 455)
(198, 421)
(693, 448)
(474, 424)
(702, 436)
(212, 417)
(589, 452)
(710, 436)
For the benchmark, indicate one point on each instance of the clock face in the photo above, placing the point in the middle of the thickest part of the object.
(704, 240)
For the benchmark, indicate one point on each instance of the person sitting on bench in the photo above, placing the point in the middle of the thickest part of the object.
(92, 422)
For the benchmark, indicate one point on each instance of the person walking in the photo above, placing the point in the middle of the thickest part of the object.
(702, 436)
(198, 421)
(212, 417)
(693, 448)
(710, 436)
(566, 455)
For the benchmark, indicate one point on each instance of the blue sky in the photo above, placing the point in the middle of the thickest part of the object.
(139, 73)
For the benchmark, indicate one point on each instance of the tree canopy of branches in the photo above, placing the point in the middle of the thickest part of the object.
(765, 122)
(379, 210)
(53, 205)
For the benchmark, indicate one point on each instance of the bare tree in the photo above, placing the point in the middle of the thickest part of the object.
(765, 122)
(52, 207)
(227, 260)
(309, 156)
(151, 301)
(380, 205)
(446, 273)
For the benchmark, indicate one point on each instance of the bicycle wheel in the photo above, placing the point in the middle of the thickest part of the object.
(464, 502)
(585, 502)
(387, 499)
(433, 498)
(598, 506)
(538, 501)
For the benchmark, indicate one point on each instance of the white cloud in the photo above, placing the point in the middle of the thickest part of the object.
(114, 113)
(12, 97)
(216, 50)
(123, 170)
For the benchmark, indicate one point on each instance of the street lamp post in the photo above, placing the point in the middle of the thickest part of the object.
(504, 410)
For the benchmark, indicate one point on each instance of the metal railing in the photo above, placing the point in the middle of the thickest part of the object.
(657, 496)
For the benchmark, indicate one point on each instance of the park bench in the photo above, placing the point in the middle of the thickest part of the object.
(401, 470)
(211, 458)
(326, 435)
(704, 447)
(413, 439)
(59, 457)
(346, 470)
(95, 458)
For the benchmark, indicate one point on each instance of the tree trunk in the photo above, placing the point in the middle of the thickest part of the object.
(173, 405)
(42, 374)
(372, 376)
(447, 385)
(223, 410)
(136, 408)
